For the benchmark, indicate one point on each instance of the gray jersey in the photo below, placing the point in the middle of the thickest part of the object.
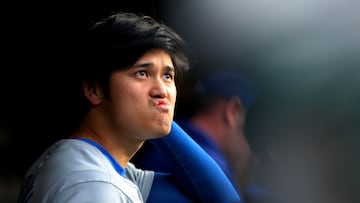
(75, 171)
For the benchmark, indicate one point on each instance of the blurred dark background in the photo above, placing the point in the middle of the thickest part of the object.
(303, 55)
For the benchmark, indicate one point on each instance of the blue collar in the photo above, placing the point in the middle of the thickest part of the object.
(113, 162)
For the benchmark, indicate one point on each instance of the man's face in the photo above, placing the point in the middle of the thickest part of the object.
(142, 98)
(237, 148)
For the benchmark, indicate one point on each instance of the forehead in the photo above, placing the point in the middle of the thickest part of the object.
(155, 57)
(156, 52)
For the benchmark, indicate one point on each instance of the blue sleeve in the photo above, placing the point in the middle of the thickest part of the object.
(193, 170)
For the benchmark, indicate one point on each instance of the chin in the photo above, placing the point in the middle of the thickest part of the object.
(162, 130)
(158, 127)
(165, 132)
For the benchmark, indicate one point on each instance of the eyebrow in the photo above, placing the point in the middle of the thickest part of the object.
(146, 65)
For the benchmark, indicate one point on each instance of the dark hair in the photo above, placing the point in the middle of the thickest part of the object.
(119, 40)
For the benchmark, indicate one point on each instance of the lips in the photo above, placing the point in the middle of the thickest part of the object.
(162, 105)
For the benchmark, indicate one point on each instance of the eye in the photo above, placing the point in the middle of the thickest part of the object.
(168, 76)
(141, 74)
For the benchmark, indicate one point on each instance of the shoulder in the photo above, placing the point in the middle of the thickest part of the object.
(70, 163)
(98, 191)
(68, 156)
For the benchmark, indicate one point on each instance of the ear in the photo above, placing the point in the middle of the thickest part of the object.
(92, 92)
(232, 111)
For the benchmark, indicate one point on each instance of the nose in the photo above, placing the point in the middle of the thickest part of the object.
(158, 89)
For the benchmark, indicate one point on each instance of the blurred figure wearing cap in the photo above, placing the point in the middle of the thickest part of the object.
(218, 104)
(217, 123)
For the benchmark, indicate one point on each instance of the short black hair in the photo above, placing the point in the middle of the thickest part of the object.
(119, 40)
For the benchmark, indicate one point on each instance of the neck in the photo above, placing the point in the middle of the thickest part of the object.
(115, 143)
